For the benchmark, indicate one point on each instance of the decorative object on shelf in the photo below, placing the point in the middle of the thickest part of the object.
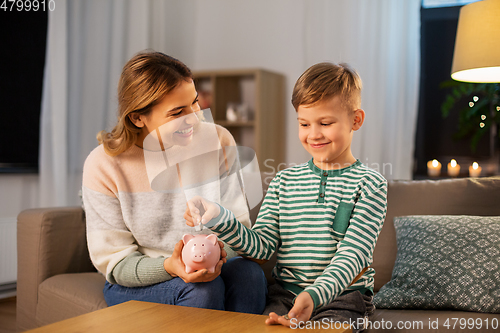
(434, 168)
(205, 99)
(238, 112)
(243, 111)
(255, 119)
(475, 170)
(453, 168)
(231, 114)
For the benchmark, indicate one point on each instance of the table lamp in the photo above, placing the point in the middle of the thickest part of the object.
(477, 48)
(476, 57)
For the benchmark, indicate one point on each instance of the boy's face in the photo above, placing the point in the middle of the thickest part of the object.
(325, 131)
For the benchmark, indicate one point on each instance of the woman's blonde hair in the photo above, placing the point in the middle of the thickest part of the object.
(145, 80)
(326, 80)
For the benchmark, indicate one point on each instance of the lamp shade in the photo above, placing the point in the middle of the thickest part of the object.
(477, 46)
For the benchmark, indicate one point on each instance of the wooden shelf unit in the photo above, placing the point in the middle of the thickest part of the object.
(263, 92)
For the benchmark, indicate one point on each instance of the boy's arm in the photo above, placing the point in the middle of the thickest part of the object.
(355, 251)
(261, 241)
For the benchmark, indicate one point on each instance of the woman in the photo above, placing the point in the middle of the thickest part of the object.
(134, 227)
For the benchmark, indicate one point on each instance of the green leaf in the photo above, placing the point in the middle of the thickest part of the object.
(447, 105)
(477, 109)
(449, 84)
(477, 136)
(470, 118)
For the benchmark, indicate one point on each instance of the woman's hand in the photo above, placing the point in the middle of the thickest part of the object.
(200, 210)
(176, 268)
(301, 311)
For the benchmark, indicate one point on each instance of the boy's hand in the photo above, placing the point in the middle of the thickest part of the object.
(302, 310)
(200, 210)
(176, 268)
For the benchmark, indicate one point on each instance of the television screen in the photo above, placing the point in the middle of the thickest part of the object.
(22, 60)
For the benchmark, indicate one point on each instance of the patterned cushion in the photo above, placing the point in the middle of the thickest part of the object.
(445, 262)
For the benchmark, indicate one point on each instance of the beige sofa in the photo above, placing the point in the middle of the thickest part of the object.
(56, 279)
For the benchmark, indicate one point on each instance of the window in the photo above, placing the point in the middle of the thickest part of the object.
(435, 135)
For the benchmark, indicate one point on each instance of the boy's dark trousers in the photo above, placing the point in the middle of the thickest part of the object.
(352, 307)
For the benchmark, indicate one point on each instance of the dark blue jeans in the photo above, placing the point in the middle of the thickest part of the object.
(241, 287)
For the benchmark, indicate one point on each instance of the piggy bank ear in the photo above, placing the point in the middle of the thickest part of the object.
(212, 239)
(186, 238)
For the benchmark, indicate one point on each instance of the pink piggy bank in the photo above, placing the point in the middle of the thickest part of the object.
(199, 252)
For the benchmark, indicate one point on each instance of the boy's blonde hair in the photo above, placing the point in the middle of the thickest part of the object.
(327, 80)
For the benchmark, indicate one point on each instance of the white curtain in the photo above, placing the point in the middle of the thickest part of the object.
(90, 41)
(381, 40)
(88, 44)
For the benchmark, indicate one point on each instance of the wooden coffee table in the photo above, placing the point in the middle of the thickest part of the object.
(137, 317)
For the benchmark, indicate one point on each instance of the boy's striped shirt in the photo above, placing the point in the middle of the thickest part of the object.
(324, 225)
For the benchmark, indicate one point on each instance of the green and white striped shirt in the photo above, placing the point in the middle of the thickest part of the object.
(324, 225)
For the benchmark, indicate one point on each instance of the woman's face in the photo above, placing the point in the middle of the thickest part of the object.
(173, 118)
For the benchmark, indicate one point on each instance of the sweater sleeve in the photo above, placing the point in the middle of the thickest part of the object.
(261, 241)
(355, 251)
(137, 270)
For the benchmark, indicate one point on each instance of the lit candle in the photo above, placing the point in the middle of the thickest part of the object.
(453, 168)
(433, 168)
(475, 170)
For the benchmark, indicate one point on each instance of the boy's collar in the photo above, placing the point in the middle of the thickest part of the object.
(333, 172)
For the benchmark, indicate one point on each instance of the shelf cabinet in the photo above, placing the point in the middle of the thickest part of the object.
(256, 118)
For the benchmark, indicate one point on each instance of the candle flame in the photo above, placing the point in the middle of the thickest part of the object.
(453, 163)
(475, 165)
(435, 163)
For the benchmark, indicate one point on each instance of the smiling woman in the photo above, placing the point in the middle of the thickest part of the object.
(175, 114)
(134, 231)
(146, 80)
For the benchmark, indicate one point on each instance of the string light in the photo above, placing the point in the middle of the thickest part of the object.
(481, 125)
(483, 117)
(471, 104)
(475, 98)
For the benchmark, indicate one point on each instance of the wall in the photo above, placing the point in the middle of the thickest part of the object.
(17, 192)
(266, 34)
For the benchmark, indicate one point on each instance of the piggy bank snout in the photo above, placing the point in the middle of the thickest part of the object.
(198, 255)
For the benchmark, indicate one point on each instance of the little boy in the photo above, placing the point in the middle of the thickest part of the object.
(322, 217)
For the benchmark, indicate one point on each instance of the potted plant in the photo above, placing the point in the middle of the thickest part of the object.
(479, 111)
